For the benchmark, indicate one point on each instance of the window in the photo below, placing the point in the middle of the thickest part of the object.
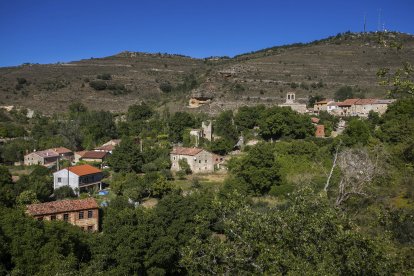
(59, 179)
(90, 214)
(53, 217)
(205, 161)
(199, 161)
(90, 228)
(65, 217)
(174, 158)
(81, 215)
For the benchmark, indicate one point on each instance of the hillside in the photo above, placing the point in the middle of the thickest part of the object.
(319, 67)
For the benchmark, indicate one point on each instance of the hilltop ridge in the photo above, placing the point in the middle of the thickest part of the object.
(260, 77)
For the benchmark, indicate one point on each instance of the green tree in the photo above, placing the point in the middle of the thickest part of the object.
(139, 112)
(26, 197)
(6, 187)
(401, 81)
(258, 170)
(184, 166)
(247, 117)
(126, 157)
(178, 123)
(313, 99)
(357, 132)
(343, 93)
(281, 122)
(64, 192)
(306, 236)
(161, 187)
(225, 128)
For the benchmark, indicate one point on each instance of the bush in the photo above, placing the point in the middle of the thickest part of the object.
(98, 85)
(184, 166)
(181, 175)
(104, 76)
(166, 87)
(281, 190)
(64, 192)
(21, 81)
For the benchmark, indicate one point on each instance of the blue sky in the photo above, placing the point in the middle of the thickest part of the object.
(48, 31)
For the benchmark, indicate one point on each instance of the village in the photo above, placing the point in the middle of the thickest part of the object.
(87, 172)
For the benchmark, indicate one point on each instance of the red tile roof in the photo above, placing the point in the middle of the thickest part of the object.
(84, 170)
(348, 102)
(46, 153)
(94, 155)
(61, 206)
(61, 150)
(320, 131)
(315, 120)
(186, 151)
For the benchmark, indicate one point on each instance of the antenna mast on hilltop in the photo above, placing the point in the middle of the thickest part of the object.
(365, 23)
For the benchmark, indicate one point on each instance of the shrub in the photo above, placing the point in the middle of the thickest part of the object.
(104, 76)
(98, 85)
(166, 87)
(21, 81)
(184, 166)
(64, 192)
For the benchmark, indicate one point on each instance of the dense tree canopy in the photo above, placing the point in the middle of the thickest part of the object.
(258, 171)
(278, 122)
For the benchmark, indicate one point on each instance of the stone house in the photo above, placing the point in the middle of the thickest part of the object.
(80, 212)
(91, 156)
(321, 105)
(95, 156)
(47, 158)
(109, 146)
(79, 178)
(364, 106)
(381, 105)
(199, 160)
(330, 107)
(347, 107)
(361, 107)
(205, 132)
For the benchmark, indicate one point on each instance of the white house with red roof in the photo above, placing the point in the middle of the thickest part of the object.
(82, 177)
(200, 160)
